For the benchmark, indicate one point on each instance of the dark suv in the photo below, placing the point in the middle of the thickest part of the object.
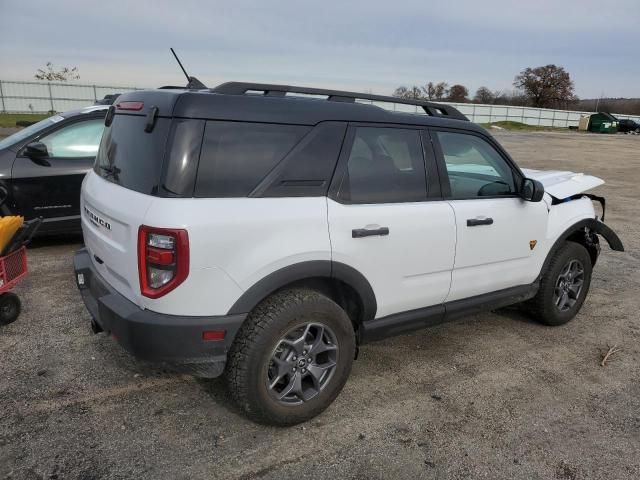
(626, 125)
(42, 167)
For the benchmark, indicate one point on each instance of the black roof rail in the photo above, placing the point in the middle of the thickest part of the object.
(430, 108)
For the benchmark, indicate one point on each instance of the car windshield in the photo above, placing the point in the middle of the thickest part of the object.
(29, 131)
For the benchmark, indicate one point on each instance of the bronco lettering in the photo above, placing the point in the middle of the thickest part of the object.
(97, 220)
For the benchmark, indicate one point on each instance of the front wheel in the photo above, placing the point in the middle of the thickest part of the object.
(291, 357)
(564, 285)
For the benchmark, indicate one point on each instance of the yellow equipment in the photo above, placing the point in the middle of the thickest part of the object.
(8, 227)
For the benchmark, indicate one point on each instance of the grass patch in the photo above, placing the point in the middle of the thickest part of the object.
(509, 125)
(10, 119)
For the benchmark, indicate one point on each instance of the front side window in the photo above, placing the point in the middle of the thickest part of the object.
(25, 133)
(79, 140)
(474, 167)
(385, 165)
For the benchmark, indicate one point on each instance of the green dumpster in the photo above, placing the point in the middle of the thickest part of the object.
(603, 122)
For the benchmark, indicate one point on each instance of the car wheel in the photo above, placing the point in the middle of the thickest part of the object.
(564, 285)
(291, 357)
(9, 308)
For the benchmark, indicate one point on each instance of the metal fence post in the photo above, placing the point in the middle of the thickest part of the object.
(2, 97)
(50, 96)
(95, 95)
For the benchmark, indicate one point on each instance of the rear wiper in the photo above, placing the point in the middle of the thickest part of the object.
(110, 171)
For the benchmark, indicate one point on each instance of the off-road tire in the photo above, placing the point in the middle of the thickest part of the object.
(250, 355)
(543, 307)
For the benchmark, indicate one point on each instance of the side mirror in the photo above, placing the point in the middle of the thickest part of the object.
(531, 190)
(37, 153)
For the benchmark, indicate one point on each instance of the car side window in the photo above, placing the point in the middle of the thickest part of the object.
(474, 167)
(236, 156)
(78, 140)
(385, 165)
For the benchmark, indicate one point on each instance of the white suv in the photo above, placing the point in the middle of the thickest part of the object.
(266, 231)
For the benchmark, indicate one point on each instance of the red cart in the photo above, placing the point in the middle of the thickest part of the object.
(13, 269)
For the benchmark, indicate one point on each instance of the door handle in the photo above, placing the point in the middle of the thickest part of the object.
(365, 232)
(474, 222)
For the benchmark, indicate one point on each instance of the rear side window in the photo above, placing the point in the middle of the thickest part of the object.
(308, 168)
(385, 165)
(131, 157)
(236, 156)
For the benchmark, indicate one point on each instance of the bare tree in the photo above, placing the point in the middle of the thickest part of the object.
(411, 93)
(628, 106)
(63, 74)
(546, 87)
(458, 93)
(484, 95)
(436, 91)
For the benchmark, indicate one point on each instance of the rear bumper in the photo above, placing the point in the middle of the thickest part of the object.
(152, 336)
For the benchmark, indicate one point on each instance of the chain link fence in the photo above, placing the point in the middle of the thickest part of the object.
(42, 97)
(480, 113)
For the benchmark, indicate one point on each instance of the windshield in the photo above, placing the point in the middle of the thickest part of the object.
(29, 131)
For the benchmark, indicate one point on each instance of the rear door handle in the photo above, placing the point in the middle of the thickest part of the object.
(365, 232)
(474, 222)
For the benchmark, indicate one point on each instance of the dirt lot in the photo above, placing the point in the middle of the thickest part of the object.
(494, 396)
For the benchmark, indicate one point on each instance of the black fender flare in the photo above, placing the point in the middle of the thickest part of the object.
(593, 225)
(305, 270)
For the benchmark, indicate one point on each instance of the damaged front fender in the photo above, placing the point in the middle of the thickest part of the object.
(585, 232)
(605, 232)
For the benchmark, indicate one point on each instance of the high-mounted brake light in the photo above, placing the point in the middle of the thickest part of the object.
(163, 259)
(130, 106)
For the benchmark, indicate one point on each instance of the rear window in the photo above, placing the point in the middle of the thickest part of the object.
(236, 156)
(131, 157)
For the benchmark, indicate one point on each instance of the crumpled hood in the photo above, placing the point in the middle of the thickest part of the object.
(563, 184)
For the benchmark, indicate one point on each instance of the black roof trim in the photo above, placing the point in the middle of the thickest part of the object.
(430, 108)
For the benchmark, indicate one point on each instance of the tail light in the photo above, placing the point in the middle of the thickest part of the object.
(163, 259)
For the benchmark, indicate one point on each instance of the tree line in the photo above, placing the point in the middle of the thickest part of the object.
(548, 86)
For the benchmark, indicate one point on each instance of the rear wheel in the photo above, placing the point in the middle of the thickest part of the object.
(564, 286)
(9, 308)
(291, 357)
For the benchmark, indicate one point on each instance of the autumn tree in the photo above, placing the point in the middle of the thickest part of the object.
(549, 86)
(458, 93)
(50, 73)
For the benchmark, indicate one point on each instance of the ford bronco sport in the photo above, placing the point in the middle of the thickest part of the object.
(265, 232)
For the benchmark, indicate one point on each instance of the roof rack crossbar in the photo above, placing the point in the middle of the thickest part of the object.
(430, 108)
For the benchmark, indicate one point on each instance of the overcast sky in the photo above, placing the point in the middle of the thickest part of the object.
(371, 45)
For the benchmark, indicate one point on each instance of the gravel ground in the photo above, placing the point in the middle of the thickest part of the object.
(493, 395)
